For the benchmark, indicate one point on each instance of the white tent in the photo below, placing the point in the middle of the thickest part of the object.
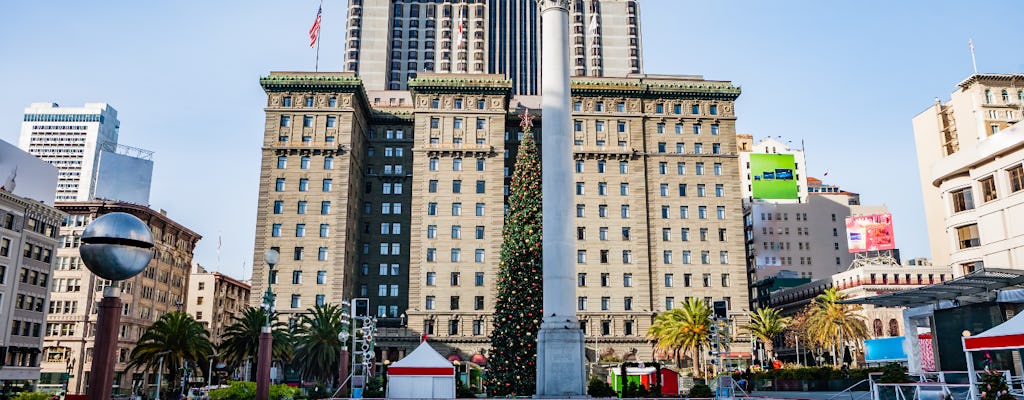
(422, 374)
(1005, 336)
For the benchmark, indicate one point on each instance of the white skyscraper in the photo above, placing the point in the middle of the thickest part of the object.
(77, 140)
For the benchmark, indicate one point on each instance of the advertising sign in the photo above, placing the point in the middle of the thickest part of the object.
(773, 176)
(870, 233)
(123, 178)
(25, 175)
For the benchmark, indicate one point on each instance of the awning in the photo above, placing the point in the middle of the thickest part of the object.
(976, 287)
(1007, 335)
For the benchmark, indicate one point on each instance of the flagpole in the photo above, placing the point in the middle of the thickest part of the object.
(316, 64)
(973, 61)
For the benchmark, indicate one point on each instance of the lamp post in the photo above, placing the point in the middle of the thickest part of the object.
(266, 338)
(386, 363)
(343, 336)
(70, 363)
(458, 371)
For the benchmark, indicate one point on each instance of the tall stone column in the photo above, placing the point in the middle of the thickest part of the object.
(104, 352)
(560, 370)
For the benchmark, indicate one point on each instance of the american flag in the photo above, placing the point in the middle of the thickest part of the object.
(459, 42)
(314, 31)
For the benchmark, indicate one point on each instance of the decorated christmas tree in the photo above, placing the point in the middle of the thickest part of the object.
(512, 367)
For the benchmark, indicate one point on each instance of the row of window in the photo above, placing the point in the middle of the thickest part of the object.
(456, 231)
(670, 302)
(963, 199)
(453, 327)
(458, 104)
(698, 148)
(684, 212)
(29, 303)
(300, 253)
(456, 164)
(456, 255)
(684, 234)
(458, 123)
(454, 303)
(627, 303)
(456, 209)
(481, 186)
(301, 207)
(25, 328)
(27, 276)
(455, 279)
(300, 230)
(280, 185)
(1004, 95)
(308, 120)
(282, 162)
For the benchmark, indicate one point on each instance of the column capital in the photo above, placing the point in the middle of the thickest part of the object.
(549, 4)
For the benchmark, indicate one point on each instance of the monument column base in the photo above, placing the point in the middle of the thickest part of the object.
(560, 364)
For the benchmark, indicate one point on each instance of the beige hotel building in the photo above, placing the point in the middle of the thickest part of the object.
(970, 151)
(398, 196)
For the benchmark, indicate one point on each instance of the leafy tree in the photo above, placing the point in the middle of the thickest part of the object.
(32, 396)
(683, 329)
(830, 324)
(241, 339)
(766, 324)
(374, 388)
(599, 388)
(700, 390)
(513, 363)
(317, 348)
(177, 338)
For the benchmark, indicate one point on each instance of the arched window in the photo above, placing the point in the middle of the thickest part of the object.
(878, 327)
(988, 96)
(894, 328)
(1020, 96)
(1006, 96)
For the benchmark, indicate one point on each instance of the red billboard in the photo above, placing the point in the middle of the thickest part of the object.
(870, 233)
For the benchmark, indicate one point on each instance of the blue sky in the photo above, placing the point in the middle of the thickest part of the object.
(845, 77)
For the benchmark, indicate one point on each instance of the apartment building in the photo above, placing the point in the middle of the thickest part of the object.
(214, 299)
(969, 152)
(389, 42)
(416, 191)
(70, 325)
(28, 240)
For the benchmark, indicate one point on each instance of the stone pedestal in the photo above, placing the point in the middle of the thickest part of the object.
(104, 354)
(263, 366)
(560, 372)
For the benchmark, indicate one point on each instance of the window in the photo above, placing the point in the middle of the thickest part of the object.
(327, 186)
(963, 199)
(581, 279)
(430, 302)
(581, 303)
(296, 277)
(307, 121)
(300, 230)
(322, 254)
(669, 301)
(286, 121)
(988, 189)
(719, 189)
(714, 129)
(433, 164)
(275, 230)
(279, 186)
(479, 209)
(301, 207)
(624, 189)
(456, 209)
(967, 236)
(581, 256)
(1016, 175)
(579, 188)
(723, 258)
(623, 167)
(326, 228)
(296, 301)
(480, 186)
(286, 101)
(453, 303)
(282, 162)
(480, 164)
(721, 212)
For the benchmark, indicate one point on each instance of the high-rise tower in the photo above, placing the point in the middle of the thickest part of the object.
(389, 42)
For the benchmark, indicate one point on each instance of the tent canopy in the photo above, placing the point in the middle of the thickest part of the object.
(1007, 335)
(422, 361)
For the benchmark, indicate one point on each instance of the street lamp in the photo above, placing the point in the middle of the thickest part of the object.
(386, 363)
(271, 257)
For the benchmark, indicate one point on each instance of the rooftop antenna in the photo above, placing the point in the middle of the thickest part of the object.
(970, 42)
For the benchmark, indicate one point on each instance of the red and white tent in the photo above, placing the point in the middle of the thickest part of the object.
(422, 374)
(1005, 336)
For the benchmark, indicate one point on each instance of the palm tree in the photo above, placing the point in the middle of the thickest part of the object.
(683, 329)
(241, 339)
(317, 348)
(178, 339)
(831, 324)
(766, 324)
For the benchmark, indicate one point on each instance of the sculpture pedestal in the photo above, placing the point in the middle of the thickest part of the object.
(104, 358)
(560, 363)
(263, 366)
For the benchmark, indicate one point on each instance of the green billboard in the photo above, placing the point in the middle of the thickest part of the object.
(773, 176)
